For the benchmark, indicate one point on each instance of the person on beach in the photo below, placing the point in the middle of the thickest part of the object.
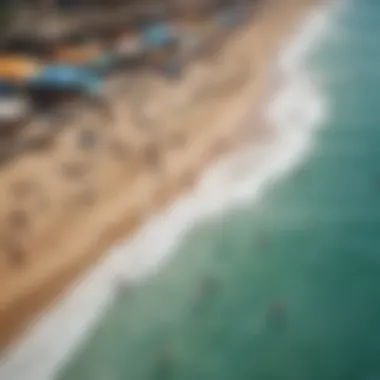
(129, 50)
(161, 43)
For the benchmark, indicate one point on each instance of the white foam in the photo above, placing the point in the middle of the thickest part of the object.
(236, 178)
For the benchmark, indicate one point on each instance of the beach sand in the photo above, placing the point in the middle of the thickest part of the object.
(60, 210)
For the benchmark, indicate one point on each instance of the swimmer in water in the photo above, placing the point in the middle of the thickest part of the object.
(124, 287)
(276, 313)
(207, 288)
(164, 362)
(262, 241)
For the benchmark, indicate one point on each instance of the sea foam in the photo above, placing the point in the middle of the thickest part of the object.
(295, 111)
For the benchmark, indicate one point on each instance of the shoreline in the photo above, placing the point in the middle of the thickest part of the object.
(179, 189)
(123, 220)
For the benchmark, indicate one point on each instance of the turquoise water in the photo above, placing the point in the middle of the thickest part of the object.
(285, 289)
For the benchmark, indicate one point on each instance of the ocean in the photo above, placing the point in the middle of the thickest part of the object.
(278, 275)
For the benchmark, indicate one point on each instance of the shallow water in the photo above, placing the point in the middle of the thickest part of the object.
(286, 288)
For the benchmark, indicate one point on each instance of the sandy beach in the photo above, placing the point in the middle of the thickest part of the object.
(61, 210)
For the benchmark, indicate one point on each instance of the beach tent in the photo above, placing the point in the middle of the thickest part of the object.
(58, 85)
(66, 78)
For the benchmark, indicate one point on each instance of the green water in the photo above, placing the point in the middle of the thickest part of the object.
(293, 281)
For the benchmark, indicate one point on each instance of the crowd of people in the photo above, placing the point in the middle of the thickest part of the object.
(37, 75)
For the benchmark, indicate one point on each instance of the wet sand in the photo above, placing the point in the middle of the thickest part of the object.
(61, 209)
